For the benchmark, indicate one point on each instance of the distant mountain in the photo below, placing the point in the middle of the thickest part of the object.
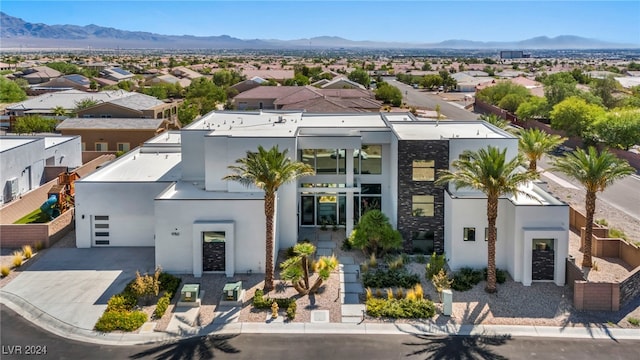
(16, 32)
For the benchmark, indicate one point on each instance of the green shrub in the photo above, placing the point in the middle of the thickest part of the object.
(402, 308)
(420, 259)
(119, 303)
(346, 245)
(5, 270)
(290, 253)
(291, 310)
(602, 222)
(436, 263)
(121, 320)
(396, 264)
(617, 234)
(501, 275)
(162, 305)
(169, 283)
(633, 321)
(146, 286)
(466, 278)
(390, 278)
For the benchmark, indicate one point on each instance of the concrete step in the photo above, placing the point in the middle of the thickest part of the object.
(350, 277)
(351, 269)
(346, 260)
(350, 298)
(353, 287)
(352, 309)
(326, 245)
(324, 252)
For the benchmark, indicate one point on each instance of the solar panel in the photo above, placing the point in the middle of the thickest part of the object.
(79, 79)
(121, 71)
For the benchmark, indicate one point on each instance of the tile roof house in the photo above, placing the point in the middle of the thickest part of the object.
(167, 79)
(65, 82)
(67, 99)
(297, 97)
(38, 74)
(116, 74)
(341, 82)
(112, 134)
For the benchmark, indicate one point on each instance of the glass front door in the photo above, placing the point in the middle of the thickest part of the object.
(323, 209)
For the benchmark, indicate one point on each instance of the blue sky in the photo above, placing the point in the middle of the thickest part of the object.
(399, 21)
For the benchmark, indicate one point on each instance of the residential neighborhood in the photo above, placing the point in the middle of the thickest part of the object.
(158, 195)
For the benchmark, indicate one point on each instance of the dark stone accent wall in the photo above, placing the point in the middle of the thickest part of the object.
(542, 265)
(409, 150)
(630, 287)
(213, 256)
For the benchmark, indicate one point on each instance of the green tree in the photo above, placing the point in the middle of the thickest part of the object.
(488, 170)
(65, 67)
(374, 234)
(59, 111)
(533, 143)
(511, 102)
(558, 87)
(389, 94)
(187, 112)
(10, 91)
(360, 76)
(296, 268)
(494, 94)
(595, 171)
(205, 94)
(85, 103)
(226, 78)
(431, 81)
(604, 89)
(535, 107)
(34, 124)
(575, 116)
(620, 128)
(268, 170)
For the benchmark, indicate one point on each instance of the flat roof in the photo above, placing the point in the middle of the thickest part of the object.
(50, 141)
(434, 130)
(183, 190)
(166, 137)
(140, 167)
(8, 143)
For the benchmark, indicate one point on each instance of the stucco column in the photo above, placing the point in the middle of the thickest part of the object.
(349, 182)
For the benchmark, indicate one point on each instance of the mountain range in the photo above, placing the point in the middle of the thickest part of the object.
(17, 33)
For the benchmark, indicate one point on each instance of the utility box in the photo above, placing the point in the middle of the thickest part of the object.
(231, 291)
(190, 293)
(447, 302)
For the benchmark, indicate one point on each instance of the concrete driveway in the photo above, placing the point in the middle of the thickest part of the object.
(74, 285)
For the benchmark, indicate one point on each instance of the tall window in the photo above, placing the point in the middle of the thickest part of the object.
(123, 147)
(370, 198)
(102, 146)
(422, 205)
(423, 170)
(368, 160)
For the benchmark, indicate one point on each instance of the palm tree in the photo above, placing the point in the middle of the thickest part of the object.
(595, 171)
(268, 170)
(496, 121)
(534, 143)
(59, 111)
(488, 170)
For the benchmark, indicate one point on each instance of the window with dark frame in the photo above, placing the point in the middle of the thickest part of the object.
(469, 234)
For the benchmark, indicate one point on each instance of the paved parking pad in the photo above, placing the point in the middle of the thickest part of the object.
(74, 285)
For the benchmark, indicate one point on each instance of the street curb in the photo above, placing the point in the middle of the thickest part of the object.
(59, 327)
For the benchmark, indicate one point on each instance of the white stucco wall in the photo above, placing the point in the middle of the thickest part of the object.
(67, 153)
(175, 252)
(128, 205)
(516, 225)
(193, 154)
(24, 162)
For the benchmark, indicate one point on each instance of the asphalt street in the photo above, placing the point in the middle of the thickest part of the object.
(19, 336)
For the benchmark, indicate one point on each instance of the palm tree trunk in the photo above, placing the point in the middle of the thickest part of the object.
(269, 210)
(492, 215)
(533, 165)
(588, 231)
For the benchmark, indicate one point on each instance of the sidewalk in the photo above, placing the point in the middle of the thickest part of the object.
(58, 327)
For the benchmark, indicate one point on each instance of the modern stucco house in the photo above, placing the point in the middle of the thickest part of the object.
(169, 193)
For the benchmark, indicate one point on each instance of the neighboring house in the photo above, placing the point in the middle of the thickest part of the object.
(299, 97)
(534, 87)
(116, 74)
(468, 83)
(38, 74)
(167, 79)
(133, 105)
(629, 81)
(185, 73)
(342, 82)
(115, 134)
(170, 194)
(248, 84)
(277, 75)
(65, 82)
(68, 99)
(23, 160)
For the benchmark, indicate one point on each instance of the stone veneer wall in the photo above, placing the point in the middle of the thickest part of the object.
(630, 287)
(408, 151)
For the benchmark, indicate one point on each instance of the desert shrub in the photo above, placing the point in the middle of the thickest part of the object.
(346, 245)
(466, 278)
(27, 251)
(419, 291)
(390, 278)
(290, 253)
(420, 259)
(146, 286)
(119, 303)
(17, 259)
(403, 308)
(397, 263)
(602, 222)
(399, 294)
(374, 234)
(436, 263)
(441, 282)
(163, 304)
(501, 275)
(169, 283)
(39, 246)
(373, 261)
(633, 321)
(5, 270)
(369, 293)
(262, 302)
(411, 295)
(617, 234)
(291, 310)
(121, 320)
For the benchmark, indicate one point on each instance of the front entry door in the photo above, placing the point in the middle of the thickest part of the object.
(542, 260)
(213, 251)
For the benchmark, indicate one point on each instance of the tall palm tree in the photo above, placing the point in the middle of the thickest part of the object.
(595, 171)
(59, 111)
(268, 170)
(533, 143)
(489, 171)
(496, 121)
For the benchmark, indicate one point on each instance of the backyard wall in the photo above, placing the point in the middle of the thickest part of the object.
(598, 296)
(14, 236)
(573, 273)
